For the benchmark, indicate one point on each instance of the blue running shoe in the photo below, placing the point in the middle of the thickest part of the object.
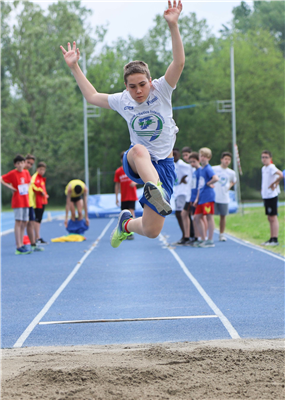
(157, 197)
(119, 235)
(22, 250)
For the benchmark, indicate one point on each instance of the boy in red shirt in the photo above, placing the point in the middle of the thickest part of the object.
(41, 196)
(18, 180)
(128, 191)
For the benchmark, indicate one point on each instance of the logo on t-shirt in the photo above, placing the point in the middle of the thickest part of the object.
(201, 182)
(148, 123)
(223, 180)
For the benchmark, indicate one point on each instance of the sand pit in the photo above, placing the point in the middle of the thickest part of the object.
(226, 369)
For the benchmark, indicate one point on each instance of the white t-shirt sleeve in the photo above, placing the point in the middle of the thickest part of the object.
(163, 87)
(115, 101)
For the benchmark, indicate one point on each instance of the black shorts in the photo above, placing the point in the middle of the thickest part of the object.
(128, 205)
(187, 206)
(270, 206)
(76, 199)
(39, 212)
(31, 214)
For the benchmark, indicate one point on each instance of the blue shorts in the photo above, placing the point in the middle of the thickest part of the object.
(31, 214)
(166, 171)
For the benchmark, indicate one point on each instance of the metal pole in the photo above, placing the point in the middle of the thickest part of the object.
(236, 186)
(98, 180)
(85, 129)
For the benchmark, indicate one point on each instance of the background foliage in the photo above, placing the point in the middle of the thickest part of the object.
(42, 109)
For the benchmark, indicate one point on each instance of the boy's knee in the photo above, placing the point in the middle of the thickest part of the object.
(152, 232)
(139, 150)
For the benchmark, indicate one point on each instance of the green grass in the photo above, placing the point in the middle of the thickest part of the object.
(253, 226)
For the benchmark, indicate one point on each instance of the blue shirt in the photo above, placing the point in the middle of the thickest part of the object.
(195, 183)
(207, 193)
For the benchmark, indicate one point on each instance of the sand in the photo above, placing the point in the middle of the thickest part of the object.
(225, 369)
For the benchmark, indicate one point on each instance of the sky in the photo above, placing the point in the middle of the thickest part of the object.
(136, 17)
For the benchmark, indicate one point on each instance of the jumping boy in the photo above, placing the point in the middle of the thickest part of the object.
(146, 106)
(227, 179)
(41, 196)
(18, 181)
(128, 190)
(205, 198)
(271, 176)
(76, 198)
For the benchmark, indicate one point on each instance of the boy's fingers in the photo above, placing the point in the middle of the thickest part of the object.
(74, 46)
(68, 46)
(169, 4)
(63, 49)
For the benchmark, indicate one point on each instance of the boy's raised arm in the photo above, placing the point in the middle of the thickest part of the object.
(91, 95)
(175, 69)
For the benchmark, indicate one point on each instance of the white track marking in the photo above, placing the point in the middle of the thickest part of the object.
(96, 321)
(231, 330)
(37, 319)
(252, 246)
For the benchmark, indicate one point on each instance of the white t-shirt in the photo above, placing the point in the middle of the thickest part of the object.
(268, 177)
(150, 123)
(226, 177)
(182, 169)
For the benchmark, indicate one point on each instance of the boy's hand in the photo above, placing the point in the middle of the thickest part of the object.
(87, 221)
(171, 15)
(71, 56)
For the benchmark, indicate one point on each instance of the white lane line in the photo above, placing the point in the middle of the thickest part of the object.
(232, 332)
(252, 246)
(96, 321)
(40, 315)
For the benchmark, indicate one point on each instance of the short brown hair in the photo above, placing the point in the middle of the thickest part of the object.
(226, 154)
(206, 152)
(186, 149)
(194, 155)
(122, 154)
(41, 164)
(136, 67)
(30, 157)
(267, 152)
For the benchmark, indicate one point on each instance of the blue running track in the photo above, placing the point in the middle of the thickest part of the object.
(230, 291)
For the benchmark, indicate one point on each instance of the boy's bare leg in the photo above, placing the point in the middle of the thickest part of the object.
(37, 230)
(205, 224)
(186, 222)
(200, 226)
(72, 210)
(79, 205)
(17, 231)
(140, 162)
(150, 224)
(211, 226)
(222, 223)
(274, 225)
(31, 231)
(23, 227)
(180, 222)
(132, 212)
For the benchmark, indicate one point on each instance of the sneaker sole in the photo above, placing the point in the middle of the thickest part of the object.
(112, 234)
(155, 198)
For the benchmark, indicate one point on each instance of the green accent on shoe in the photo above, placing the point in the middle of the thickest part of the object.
(119, 235)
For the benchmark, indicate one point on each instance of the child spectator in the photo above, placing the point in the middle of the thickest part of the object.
(29, 162)
(76, 198)
(181, 192)
(18, 181)
(146, 107)
(227, 179)
(269, 192)
(205, 198)
(186, 212)
(128, 191)
(41, 196)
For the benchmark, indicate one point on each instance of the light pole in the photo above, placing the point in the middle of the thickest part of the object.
(230, 106)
